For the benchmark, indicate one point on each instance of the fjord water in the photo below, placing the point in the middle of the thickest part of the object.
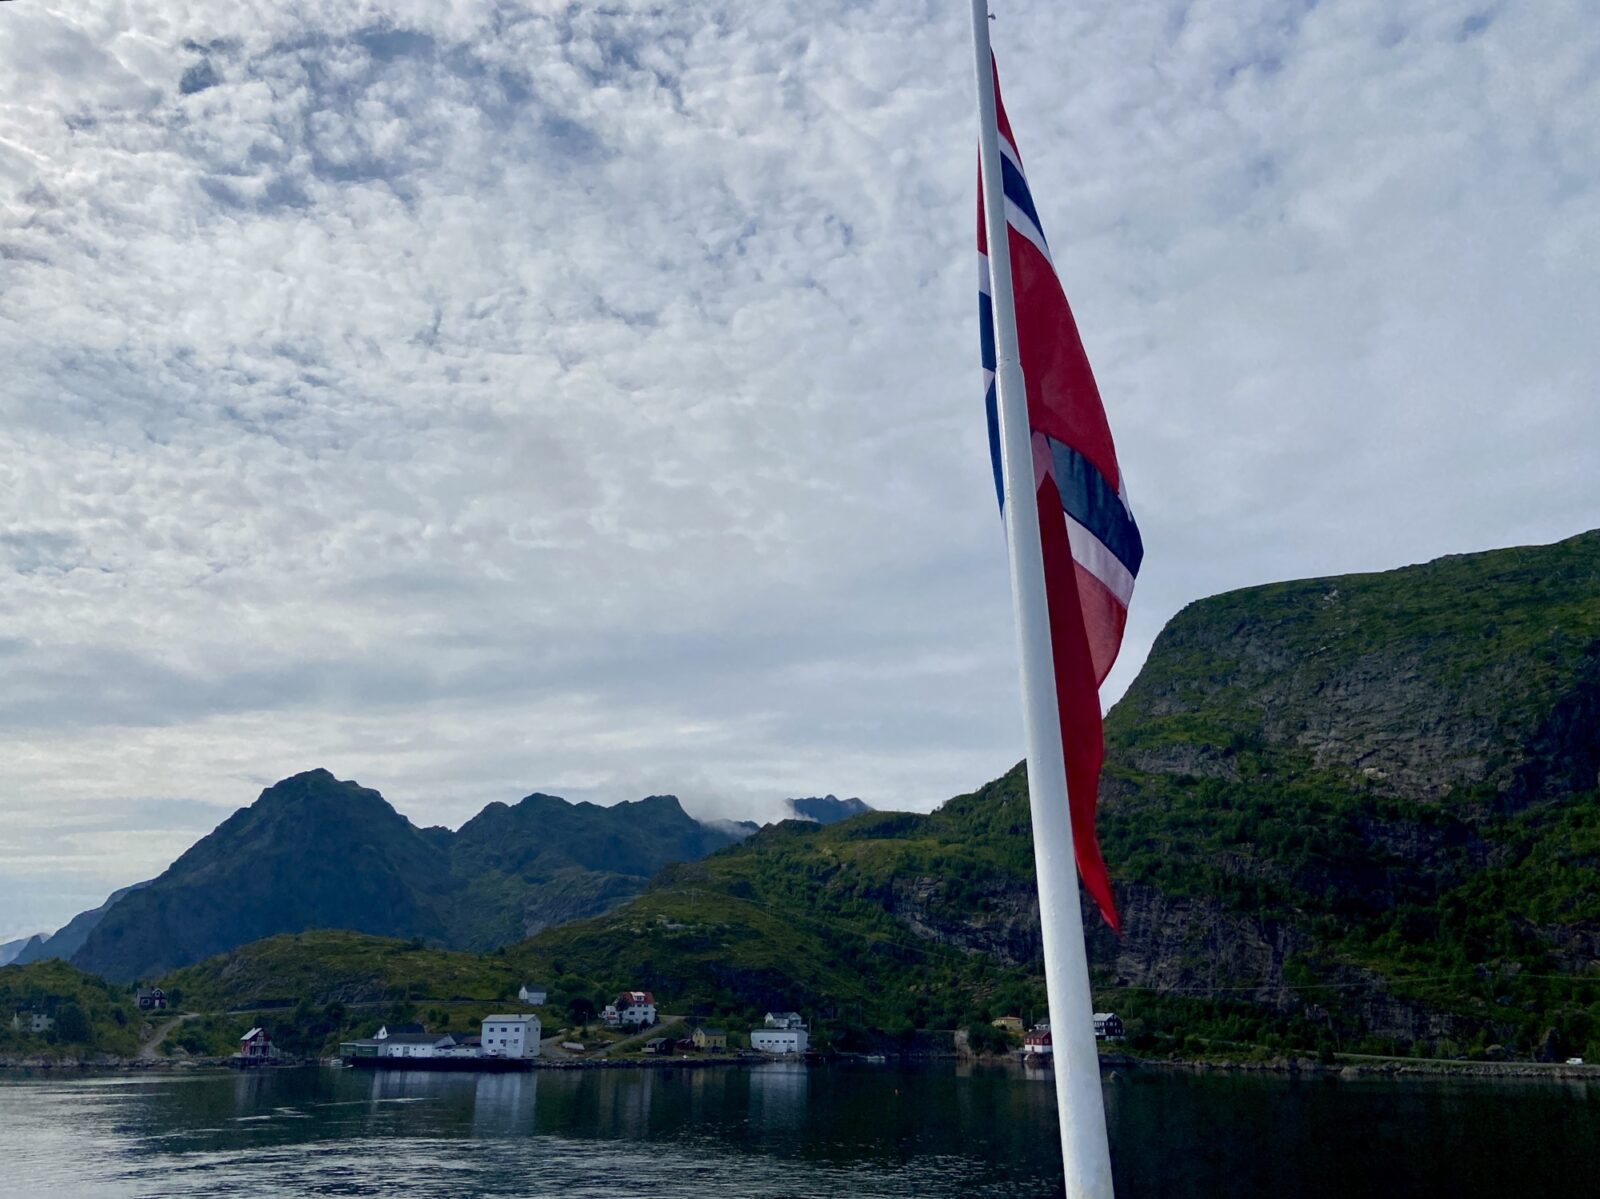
(779, 1131)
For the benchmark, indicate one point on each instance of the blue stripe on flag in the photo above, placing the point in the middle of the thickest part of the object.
(986, 330)
(991, 406)
(1017, 192)
(1090, 500)
(992, 411)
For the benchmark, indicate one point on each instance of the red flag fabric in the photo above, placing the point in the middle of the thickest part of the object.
(1091, 545)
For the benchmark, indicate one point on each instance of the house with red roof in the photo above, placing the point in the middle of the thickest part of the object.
(630, 1007)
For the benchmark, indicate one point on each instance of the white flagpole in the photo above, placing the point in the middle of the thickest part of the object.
(1079, 1102)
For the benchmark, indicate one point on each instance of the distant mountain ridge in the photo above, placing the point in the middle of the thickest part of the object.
(10, 949)
(315, 852)
(829, 809)
(69, 938)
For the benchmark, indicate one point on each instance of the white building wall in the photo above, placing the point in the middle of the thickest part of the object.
(779, 1040)
(407, 1050)
(511, 1036)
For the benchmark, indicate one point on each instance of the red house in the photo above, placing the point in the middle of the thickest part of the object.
(255, 1045)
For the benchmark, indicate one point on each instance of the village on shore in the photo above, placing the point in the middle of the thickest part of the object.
(516, 1040)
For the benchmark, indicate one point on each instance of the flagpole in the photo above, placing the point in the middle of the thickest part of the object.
(1079, 1102)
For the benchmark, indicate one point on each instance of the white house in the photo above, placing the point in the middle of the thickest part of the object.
(784, 1020)
(416, 1044)
(779, 1040)
(32, 1022)
(534, 994)
(1107, 1026)
(511, 1036)
(630, 1007)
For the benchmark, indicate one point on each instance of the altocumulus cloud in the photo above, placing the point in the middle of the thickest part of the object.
(482, 397)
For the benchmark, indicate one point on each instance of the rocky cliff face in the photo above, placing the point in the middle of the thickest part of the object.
(1319, 791)
(1356, 811)
(1477, 670)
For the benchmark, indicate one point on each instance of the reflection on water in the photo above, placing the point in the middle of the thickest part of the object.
(778, 1096)
(781, 1131)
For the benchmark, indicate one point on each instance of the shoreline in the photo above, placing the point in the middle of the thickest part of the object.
(524, 1066)
(1111, 1064)
(1393, 1068)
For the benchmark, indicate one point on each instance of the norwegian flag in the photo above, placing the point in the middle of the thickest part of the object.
(1091, 545)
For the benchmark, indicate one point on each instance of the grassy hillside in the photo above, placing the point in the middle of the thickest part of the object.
(1355, 812)
(834, 920)
(92, 1017)
(312, 990)
(338, 967)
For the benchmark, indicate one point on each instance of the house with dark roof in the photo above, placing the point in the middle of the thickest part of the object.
(515, 1035)
(710, 1038)
(416, 1044)
(1107, 1026)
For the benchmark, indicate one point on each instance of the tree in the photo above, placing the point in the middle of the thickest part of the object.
(71, 1023)
(580, 1010)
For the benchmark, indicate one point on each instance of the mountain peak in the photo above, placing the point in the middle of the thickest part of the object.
(827, 809)
(655, 803)
(319, 793)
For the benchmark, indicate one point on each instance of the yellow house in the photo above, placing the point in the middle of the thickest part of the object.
(1009, 1024)
(710, 1038)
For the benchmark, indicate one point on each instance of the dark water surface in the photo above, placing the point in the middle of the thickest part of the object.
(778, 1131)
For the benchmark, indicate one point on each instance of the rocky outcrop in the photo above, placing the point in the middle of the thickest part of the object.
(1328, 768)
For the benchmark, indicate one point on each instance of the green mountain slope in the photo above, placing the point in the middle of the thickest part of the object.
(545, 861)
(323, 968)
(89, 1016)
(1357, 811)
(314, 852)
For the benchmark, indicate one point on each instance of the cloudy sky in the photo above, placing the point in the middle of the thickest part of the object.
(477, 397)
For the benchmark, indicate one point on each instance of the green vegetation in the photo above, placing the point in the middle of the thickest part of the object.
(1353, 815)
(813, 918)
(339, 967)
(89, 1016)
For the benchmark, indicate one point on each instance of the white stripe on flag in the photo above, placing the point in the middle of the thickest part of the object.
(1023, 224)
(1092, 555)
(1010, 152)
